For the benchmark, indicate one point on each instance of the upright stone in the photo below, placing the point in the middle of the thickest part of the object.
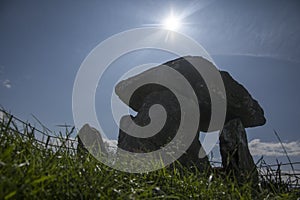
(90, 140)
(236, 157)
(190, 157)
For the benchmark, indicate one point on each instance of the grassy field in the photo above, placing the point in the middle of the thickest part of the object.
(29, 170)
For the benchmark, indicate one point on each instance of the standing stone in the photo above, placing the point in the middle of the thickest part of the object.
(190, 157)
(236, 158)
(90, 140)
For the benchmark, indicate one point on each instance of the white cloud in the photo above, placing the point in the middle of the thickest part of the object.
(258, 148)
(111, 145)
(7, 84)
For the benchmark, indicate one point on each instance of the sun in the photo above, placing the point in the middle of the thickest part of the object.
(172, 23)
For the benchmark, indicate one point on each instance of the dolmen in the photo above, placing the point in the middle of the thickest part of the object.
(242, 111)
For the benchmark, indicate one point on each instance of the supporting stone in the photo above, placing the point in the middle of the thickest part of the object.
(190, 157)
(236, 158)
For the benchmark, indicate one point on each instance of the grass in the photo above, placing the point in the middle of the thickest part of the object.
(29, 170)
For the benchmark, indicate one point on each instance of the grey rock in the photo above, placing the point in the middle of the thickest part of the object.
(236, 157)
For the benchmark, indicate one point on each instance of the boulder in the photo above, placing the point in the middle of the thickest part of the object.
(240, 103)
(236, 158)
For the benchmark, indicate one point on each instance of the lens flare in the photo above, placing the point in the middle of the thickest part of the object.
(172, 23)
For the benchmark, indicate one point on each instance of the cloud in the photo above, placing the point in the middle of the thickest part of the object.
(7, 84)
(111, 145)
(258, 148)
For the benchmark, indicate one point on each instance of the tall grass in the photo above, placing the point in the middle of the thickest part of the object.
(30, 170)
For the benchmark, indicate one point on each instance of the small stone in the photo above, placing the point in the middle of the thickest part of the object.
(90, 140)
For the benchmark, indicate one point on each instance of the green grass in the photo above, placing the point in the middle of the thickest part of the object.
(28, 170)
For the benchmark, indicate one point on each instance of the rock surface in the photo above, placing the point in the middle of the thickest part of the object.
(236, 157)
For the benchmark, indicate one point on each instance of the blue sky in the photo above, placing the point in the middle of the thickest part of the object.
(43, 43)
